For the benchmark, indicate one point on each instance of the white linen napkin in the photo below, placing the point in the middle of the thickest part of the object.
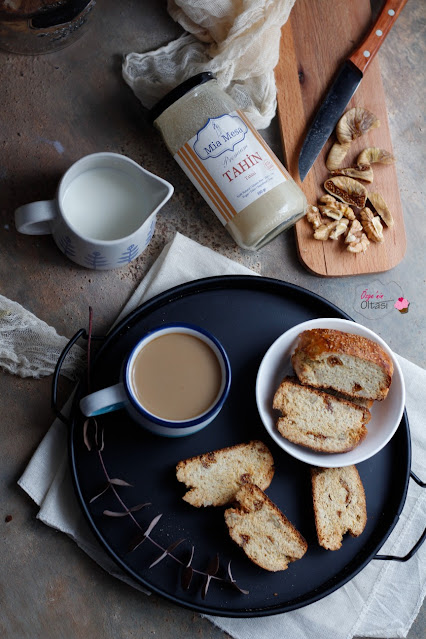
(381, 601)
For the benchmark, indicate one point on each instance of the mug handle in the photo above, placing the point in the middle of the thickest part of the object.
(34, 218)
(104, 401)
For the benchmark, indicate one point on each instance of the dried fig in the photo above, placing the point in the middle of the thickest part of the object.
(355, 123)
(381, 208)
(336, 155)
(360, 172)
(347, 190)
(373, 155)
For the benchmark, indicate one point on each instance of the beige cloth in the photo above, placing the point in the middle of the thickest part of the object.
(238, 41)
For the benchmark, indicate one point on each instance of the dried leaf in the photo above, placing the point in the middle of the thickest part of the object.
(236, 586)
(205, 587)
(120, 482)
(213, 566)
(191, 557)
(113, 513)
(101, 493)
(85, 436)
(229, 572)
(234, 583)
(134, 509)
(172, 546)
(153, 523)
(99, 437)
(137, 541)
(187, 573)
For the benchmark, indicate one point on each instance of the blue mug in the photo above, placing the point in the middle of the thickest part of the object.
(125, 394)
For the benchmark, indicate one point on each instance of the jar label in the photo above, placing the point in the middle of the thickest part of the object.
(230, 164)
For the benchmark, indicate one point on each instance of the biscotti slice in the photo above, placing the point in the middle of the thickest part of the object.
(263, 531)
(318, 420)
(214, 478)
(339, 504)
(351, 364)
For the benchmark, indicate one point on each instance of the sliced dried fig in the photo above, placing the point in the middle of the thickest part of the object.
(374, 155)
(355, 123)
(347, 190)
(360, 172)
(336, 155)
(381, 208)
(371, 225)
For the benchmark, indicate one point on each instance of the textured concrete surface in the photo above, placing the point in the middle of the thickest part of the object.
(53, 110)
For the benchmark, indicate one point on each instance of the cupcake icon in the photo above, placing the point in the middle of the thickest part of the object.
(402, 305)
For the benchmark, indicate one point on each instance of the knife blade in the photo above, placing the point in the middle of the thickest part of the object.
(345, 85)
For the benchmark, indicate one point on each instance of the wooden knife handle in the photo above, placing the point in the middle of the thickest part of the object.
(363, 55)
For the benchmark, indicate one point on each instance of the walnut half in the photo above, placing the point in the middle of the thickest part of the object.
(323, 232)
(360, 246)
(313, 216)
(356, 239)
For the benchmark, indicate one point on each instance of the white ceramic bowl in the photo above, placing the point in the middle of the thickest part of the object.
(385, 415)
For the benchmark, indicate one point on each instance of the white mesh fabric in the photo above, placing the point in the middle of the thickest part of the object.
(237, 41)
(30, 348)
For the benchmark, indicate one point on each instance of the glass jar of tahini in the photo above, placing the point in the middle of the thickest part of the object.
(229, 163)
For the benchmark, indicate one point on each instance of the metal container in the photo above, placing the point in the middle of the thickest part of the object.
(33, 27)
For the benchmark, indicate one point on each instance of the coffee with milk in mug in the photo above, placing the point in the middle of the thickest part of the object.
(176, 376)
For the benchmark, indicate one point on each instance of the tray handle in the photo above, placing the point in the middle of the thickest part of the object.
(54, 401)
(417, 545)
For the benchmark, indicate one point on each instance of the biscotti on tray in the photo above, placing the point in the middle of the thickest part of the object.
(351, 364)
(339, 504)
(319, 420)
(265, 534)
(214, 478)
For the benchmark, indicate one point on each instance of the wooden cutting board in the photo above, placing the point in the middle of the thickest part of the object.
(315, 41)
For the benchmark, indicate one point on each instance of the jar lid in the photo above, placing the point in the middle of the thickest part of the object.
(179, 91)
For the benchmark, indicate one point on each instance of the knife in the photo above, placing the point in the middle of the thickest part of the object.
(345, 85)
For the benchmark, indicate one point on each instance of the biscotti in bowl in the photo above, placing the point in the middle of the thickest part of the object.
(330, 357)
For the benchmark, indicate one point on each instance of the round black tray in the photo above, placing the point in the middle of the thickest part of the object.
(246, 314)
